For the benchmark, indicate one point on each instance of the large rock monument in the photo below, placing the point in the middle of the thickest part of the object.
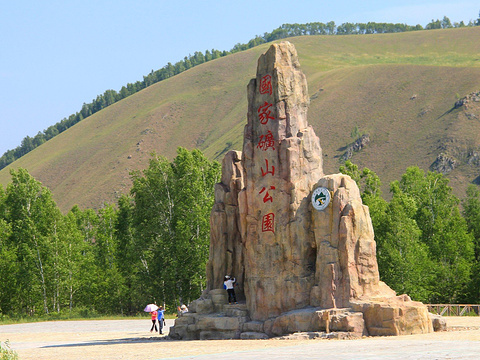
(300, 243)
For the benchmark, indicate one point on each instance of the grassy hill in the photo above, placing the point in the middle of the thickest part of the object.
(399, 88)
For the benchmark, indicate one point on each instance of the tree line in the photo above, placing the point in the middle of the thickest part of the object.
(110, 97)
(151, 246)
(427, 246)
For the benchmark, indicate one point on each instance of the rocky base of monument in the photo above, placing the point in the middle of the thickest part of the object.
(212, 318)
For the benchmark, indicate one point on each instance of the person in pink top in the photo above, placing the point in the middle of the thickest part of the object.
(154, 321)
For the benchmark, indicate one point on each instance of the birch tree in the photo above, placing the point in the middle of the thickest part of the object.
(33, 216)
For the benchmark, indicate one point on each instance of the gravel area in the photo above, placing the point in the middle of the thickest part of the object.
(131, 339)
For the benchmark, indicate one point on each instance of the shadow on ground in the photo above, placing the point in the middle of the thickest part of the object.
(112, 342)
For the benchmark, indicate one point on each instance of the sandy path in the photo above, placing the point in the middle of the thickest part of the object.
(131, 339)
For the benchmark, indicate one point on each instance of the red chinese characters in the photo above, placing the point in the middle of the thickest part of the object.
(265, 113)
(266, 141)
(267, 196)
(266, 85)
(268, 222)
(267, 169)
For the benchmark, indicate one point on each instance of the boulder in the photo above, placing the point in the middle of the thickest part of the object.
(219, 299)
(219, 323)
(203, 306)
(236, 310)
(253, 326)
(302, 320)
(394, 316)
(438, 322)
(342, 320)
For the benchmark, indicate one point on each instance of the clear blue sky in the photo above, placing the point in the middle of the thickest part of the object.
(57, 54)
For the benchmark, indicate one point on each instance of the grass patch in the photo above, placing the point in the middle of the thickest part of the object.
(6, 353)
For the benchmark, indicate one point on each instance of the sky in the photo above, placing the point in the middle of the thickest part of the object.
(57, 55)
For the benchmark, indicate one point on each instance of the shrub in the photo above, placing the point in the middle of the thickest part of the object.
(6, 353)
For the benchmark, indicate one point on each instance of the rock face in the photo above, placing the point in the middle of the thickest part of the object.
(226, 246)
(298, 268)
(282, 159)
(444, 164)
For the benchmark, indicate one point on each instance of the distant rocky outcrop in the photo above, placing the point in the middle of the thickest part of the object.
(444, 164)
(472, 97)
(454, 152)
(356, 146)
(300, 243)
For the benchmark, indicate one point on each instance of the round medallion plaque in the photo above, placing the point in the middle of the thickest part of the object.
(320, 198)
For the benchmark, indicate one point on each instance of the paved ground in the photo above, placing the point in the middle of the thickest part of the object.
(131, 339)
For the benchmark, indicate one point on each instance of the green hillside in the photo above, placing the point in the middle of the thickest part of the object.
(399, 88)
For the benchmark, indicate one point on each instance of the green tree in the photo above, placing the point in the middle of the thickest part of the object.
(403, 260)
(108, 281)
(370, 190)
(368, 181)
(83, 232)
(170, 218)
(434, 24)
(351, 170)
(129, 255)
(73, 260)
(193, 205)
(154, 230)
(471, 212)
(444, 231)
(8, 267)
(33, 216)
(446, 23)
(424, 247)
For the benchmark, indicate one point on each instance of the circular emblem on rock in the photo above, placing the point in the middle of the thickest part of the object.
(320, 198)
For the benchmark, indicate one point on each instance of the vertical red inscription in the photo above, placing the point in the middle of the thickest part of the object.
(267, 196)
(265, 113)
(266, 85)
(268, 222)
(266, 141)
(268, 171)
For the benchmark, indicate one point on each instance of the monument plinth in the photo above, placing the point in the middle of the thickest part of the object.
(302, 263)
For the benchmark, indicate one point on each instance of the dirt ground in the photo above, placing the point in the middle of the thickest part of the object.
(131, 339)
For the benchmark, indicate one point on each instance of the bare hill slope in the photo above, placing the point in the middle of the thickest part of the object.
(399, 88)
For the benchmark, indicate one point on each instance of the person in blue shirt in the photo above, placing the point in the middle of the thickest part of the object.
(161, 319)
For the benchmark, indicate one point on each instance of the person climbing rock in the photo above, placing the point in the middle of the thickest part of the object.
(229, 284)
